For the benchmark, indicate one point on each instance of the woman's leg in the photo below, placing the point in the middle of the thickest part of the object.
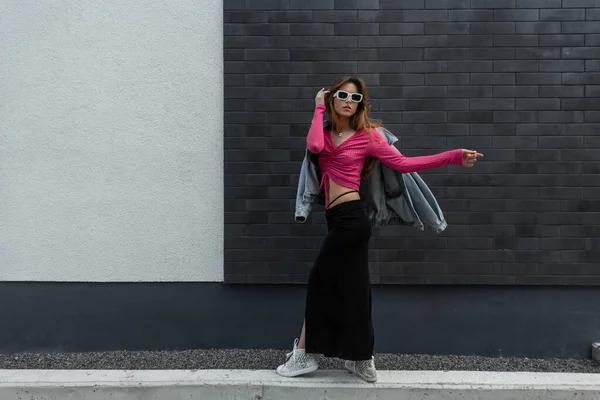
(298, 361)
(302, 341)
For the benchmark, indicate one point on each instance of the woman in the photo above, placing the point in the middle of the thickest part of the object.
(338, 303)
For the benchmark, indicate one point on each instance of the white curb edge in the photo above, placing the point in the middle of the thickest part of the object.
(266, 385)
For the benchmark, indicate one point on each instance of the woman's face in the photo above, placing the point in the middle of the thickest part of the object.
(346, 108)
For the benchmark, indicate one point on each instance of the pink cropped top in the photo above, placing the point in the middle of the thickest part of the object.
(343, 164)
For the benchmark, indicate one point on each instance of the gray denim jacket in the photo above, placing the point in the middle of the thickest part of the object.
(390, 197)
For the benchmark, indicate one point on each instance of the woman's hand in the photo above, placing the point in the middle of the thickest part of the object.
(320, 99)
(469, 157)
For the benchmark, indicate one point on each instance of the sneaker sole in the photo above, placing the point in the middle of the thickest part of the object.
(299, 372)
(367, 380)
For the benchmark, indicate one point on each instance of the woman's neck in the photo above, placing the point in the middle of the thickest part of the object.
(343, 125)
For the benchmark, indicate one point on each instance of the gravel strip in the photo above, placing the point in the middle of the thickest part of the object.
(270, 359)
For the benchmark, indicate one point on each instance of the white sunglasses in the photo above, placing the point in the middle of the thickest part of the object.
(343, 95)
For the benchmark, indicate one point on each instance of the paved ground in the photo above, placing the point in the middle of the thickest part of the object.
(269, 359)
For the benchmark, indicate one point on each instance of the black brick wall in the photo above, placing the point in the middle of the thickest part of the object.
(518, 80)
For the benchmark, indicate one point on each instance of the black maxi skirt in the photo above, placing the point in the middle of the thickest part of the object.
(338, 302)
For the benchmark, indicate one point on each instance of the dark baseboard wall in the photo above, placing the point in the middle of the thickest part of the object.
(524, 321)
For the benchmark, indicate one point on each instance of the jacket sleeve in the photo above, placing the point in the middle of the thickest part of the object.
(392, 158)
(302, 206)
(315, 141)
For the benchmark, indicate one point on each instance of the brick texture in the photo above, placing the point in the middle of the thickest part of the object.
(517, 80)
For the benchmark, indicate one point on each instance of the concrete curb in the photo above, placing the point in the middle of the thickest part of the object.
(266, 385)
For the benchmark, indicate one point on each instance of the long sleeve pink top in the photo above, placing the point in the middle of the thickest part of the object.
(343, 164)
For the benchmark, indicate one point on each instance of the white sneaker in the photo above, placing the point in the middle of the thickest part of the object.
(298, 362)
(365, 369)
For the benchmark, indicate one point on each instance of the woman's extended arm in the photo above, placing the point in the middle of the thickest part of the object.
(392, 158)
(315, 141)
